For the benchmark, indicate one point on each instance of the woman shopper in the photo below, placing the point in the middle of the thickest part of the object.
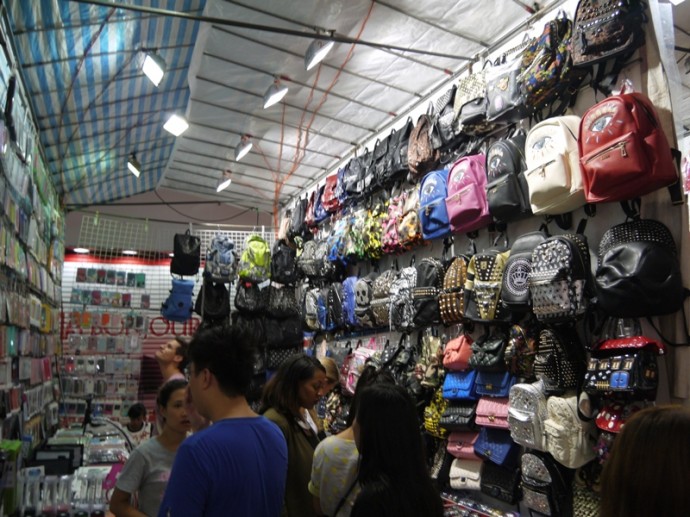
(147, 470)
(392, 470)
(334, 468)
(287, 399)
(647, 472)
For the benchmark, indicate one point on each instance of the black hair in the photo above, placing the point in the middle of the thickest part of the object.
(370, 375)
(182, 351)
(281, 391)
(136, 410)
(166, 391)
(227, 353)
(392, 451)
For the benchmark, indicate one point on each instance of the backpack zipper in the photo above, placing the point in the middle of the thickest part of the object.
(619, 145)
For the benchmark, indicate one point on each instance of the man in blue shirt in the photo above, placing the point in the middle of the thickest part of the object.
(238, 465)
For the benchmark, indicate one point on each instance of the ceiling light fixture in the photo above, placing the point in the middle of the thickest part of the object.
(133, 165)
(225, 181)
(154, 67)
(275, 93)
(81, 250)
(176, 125)
(243, 147)
(129, 252)
(317, 51)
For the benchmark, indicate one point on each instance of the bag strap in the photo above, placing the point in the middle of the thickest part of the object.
(686, 294)
(344, 498)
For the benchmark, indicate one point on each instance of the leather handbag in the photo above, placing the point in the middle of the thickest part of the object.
(186, 254)
(496, 445)
(460, 385)
(500, 482)
(494, 384)
(465, 474)
(459, 416)
(461, 444)
(492, 412)
(624, 366)
(457, 353)
(488, 353)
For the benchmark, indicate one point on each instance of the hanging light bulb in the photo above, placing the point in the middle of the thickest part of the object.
(243, 147)
(275, 93)
(317, 51)
(154, 67)
(225, 181)
(176, 125)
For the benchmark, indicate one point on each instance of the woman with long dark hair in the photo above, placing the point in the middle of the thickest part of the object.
(392, 474)
(287, 399)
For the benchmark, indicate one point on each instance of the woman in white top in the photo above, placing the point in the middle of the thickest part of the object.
(138, 429)
(334, 468)
(147, 470)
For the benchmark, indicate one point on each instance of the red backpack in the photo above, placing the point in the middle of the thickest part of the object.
(623, 150)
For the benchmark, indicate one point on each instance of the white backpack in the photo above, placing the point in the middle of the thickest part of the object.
(526, 415)
(553, 168)
(568, 437)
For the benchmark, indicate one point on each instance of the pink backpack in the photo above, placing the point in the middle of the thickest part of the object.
(468, 209)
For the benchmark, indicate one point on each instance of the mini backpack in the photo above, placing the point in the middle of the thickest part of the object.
(284, 263)
(402, 302)
(430, 273)
(560, 361)
(451, 299)
(624, 153)
(221, 260)
(506, 188)
(433, 214)
(421, 155)
(255, 262)
(380, 297)
(467, 205)
(483, 286)
(363, 297)
(569, 439)
(178, 306)
(546, 485)
(515, 289)
(559, 279)
(527, 414)
(553, 176)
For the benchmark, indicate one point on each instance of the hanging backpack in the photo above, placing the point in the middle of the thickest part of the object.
(380, 297)
(255, 262)
(467, 205)
(624, 152)
(186, 254)
(430, 273)
(638, 272)
(308, 262)
(353, 179)
(298, 228)
(506, 188)
(433, 214)
(515, 287)
(340, 191)
(284, 263)
(373, 229)
(483, 286)
(390, 240)
(546, 485)
(213, 302)
(559, 279)
(320, 212)
(421, 155)
(282, 301)
(409, 229)
(553, 173)
(397, 152)
(350, 301)
(380, 162)
(329, 199)
(402, 302)
(178, 305)
(334, 303)
(311, 308)
(569, 439)
(363, 297)
(221, 260)
(250, 297)
(527, 414)
(560, 360)
(451, 299)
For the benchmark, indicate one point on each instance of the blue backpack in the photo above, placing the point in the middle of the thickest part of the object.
(178, 306)
(433, 214)
(350, 301)
(221, 260)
